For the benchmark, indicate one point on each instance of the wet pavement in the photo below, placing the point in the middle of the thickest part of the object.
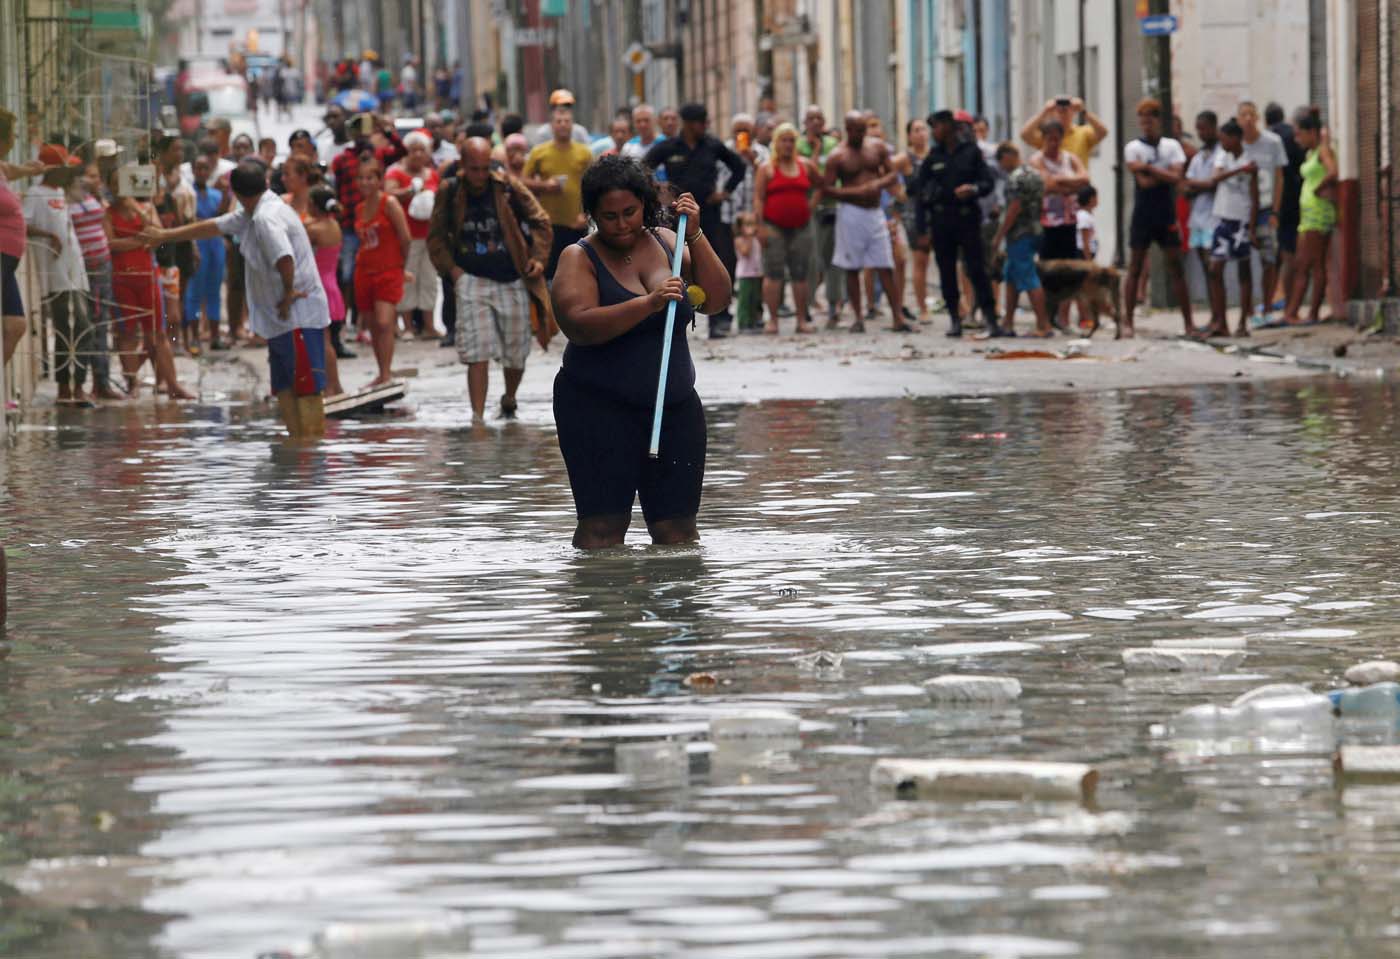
(250, 691)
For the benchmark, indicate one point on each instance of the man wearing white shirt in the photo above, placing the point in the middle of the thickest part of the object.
(284, 292)
(62, 274)
(1264, 148)
(223, 166)
(644, 123)
(1158, 165)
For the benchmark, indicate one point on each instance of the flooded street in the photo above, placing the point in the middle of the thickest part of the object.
(250, 691)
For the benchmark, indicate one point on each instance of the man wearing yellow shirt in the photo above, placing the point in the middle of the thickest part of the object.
(1080, 138)
(554, 173)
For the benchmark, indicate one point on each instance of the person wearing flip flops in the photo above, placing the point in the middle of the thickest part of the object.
(1236, 209)
(1023, 232)
(62, 274)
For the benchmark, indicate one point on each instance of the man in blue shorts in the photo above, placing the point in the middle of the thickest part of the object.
(287, 304)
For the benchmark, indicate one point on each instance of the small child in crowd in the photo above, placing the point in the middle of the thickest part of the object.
(1084, 225)
(748, 274)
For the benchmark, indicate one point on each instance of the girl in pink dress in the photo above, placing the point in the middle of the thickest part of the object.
(324, 231)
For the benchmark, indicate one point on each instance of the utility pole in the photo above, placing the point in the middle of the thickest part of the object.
(465, 58)
(1159, 67)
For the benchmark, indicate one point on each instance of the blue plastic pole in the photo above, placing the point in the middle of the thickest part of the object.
(655, 450)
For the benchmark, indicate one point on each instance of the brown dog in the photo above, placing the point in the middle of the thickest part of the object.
(1097, 289)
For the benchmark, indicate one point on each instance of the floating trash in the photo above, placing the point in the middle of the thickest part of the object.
(1196, 660)
(1379, 701)
(986, 778)
(1281, 717)
(653, 764)
(1368, 763)
(960, 688)
(1374, 671)
(392, 939)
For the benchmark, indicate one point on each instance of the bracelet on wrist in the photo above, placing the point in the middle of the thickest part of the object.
(692, 237)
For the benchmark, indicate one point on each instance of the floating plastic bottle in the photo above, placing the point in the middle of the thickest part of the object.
(1282, 717)
(1379, 701)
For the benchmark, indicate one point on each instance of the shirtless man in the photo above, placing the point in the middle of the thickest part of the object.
(863, 167)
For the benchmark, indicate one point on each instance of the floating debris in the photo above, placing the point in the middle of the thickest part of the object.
(1194, 660)
(1374, 671)
(960, 688)
(986, 778)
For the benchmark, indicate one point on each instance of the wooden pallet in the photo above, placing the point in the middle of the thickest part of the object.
(371, 400)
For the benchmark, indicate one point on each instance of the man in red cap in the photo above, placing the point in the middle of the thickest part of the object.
(62, 274)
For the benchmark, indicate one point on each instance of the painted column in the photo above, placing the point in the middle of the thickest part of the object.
(1342, 120)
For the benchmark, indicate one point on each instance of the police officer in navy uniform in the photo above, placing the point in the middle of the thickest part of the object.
(947, 187)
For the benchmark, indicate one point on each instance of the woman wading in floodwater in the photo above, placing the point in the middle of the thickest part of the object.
(610, 295)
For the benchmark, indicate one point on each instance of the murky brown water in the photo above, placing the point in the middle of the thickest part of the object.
(249, 691)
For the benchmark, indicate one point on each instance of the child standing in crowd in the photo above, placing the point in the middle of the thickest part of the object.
(88, 213)
(382, 229)
(1084, 225)
(137, 290)
(326, 240)
(175, 206)
(1021, 230)
(748, 273)
(203, 293)
(1237, 212)
(63, 278)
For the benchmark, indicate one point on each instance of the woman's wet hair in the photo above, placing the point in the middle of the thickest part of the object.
(617, 172)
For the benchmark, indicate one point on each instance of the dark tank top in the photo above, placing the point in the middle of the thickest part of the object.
(626, 367)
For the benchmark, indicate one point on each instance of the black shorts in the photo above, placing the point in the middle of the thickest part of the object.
(604, 442)
(1059, 243)
(11, 303)
(1151, 226)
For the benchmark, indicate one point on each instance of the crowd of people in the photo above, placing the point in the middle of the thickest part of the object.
(469, 221)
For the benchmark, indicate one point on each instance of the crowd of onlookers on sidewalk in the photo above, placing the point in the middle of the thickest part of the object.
(465, 220)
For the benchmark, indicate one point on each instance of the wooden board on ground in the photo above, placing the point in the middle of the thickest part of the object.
(370, 400)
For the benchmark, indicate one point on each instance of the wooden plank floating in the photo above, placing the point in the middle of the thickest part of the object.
(371, 400)
(986, 779)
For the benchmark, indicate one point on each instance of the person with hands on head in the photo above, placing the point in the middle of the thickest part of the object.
(1317, 217)
(286, 302)
(491, 238)
(1080, 139)
(611, 293)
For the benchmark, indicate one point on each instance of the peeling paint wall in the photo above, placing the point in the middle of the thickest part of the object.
(1232, 50)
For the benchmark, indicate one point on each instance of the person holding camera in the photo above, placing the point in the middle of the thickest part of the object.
(1080, 139)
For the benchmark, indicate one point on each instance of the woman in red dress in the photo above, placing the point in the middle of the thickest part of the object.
(379, 266)
(136, 287)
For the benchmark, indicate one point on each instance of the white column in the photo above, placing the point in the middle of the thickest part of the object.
(1341, 84)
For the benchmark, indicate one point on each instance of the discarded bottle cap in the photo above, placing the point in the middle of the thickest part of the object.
(988, 778)
(1152, 659)
(759, 724)
(695, 294)
(956, 688)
